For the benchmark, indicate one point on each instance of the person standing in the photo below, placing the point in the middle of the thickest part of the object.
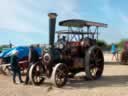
(33, 57)
(114, 51)
(15, 67)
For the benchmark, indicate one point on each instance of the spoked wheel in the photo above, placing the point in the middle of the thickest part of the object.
(94, 63)
(59, 75)
(36, 74)
(6, 70)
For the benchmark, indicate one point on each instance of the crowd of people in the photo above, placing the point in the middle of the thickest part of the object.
(33, 57)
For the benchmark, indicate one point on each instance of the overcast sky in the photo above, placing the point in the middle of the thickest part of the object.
(25, 21)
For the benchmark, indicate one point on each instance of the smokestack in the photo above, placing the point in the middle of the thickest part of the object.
(52, 23)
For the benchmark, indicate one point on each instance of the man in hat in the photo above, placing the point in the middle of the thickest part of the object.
(15, 67)
(32, 59)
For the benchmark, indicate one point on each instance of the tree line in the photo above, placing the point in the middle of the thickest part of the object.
(106, 46)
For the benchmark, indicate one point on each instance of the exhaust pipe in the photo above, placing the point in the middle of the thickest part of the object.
(52, 25)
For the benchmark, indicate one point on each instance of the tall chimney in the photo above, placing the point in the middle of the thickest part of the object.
(52, 23)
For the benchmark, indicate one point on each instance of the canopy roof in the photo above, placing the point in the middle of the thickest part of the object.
(73, 32)
(80, 23)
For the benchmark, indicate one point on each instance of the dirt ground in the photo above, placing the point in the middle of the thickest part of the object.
(114, 82)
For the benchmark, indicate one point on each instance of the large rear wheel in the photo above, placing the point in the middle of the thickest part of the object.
(94, 63)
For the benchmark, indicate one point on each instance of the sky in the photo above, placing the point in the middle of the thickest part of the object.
(24, 22)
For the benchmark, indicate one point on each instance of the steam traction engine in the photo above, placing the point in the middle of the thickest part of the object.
(124, 54)
(74, 51)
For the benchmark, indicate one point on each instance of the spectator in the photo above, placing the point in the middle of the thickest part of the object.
(38, 45)
(15, 67)
(114, 51)
(32, 59)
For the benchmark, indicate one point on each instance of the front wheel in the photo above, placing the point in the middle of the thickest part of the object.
(59, 75)
(94, 63)
(35, 74)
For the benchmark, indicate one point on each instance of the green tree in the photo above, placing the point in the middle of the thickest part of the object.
(102, 44)
(121, 43)
(3, 47)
